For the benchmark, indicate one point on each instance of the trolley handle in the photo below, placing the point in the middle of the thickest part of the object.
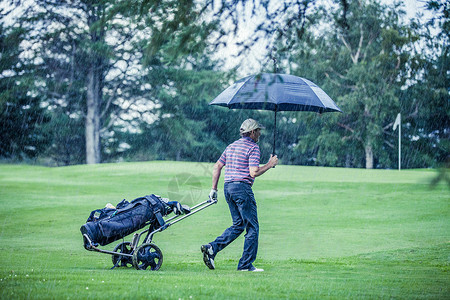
(197, 208)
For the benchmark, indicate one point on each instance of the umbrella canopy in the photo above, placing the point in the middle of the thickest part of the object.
(277, 92)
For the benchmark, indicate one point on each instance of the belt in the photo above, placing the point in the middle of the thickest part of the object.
(238, 182)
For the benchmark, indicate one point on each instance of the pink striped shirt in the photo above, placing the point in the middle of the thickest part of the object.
(238, 157)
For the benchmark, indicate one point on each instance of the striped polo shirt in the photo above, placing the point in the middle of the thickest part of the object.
(238, 157)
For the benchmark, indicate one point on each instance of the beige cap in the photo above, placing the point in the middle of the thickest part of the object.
(249, 125)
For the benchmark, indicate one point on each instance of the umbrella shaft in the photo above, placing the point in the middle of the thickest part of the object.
(275, 132)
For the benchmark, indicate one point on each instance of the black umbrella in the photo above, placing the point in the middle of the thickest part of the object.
(277, 92)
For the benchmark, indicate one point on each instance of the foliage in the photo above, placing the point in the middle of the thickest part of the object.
(92, 56)
(365, 66)
(67, 40)
(21, 116)
(185, 127)
(427, 102)
(67, 142)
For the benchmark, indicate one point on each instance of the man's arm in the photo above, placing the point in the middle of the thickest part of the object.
(217, 169)
(258, 171)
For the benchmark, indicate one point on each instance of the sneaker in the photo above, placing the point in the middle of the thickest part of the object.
(253, 269)
(208, 256)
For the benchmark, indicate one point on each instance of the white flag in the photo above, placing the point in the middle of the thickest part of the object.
(397, 122)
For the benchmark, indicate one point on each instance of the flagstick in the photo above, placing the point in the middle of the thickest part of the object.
(400, 143)
(275, 70)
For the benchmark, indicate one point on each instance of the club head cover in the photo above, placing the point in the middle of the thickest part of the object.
(185, 209)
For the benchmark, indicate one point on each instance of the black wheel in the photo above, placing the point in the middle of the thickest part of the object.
(125, 261)
(147, 255)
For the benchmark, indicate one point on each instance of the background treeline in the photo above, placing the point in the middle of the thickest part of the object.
(105, 81)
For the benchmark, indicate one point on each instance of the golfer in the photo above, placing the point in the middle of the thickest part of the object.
(241, 161)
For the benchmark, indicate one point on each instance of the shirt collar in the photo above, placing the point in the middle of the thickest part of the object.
(248, 139)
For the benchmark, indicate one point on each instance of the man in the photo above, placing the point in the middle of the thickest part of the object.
(241, 161)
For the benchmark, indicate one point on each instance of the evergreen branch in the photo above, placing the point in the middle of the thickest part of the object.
(361, 38)
(367, 47)
(355, 57)
(349, 48)
(346, 127)
(389, 144)
(351, 87)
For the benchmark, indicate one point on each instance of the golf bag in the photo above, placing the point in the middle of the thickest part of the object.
(107, 225)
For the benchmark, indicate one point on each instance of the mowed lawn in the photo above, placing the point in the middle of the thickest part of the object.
(324, 233)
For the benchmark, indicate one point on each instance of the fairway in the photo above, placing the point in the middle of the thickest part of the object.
(324, 233)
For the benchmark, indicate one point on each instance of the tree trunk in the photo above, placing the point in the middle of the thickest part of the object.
(94, 91)
(348, 161)
(93, 118)
(369, 156)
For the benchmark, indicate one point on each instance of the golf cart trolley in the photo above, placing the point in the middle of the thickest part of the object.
(109, 224)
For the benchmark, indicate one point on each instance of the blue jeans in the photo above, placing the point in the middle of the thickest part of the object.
(242, 204)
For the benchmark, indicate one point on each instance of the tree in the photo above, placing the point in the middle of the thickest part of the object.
(92, 54)
(66, 136)
(21, 116)
(68, 40)
(183, 127)
(426, 102)
(363, 65)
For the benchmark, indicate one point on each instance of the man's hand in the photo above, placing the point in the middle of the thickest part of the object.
(258, 171)
(213, 195)
(273, 161)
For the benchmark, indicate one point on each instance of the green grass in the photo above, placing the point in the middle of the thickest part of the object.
(324, 233)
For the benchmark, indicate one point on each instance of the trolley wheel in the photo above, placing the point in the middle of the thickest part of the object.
(147, 255)
(124, 247)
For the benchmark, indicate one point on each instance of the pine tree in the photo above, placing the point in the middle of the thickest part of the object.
(21, 116)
